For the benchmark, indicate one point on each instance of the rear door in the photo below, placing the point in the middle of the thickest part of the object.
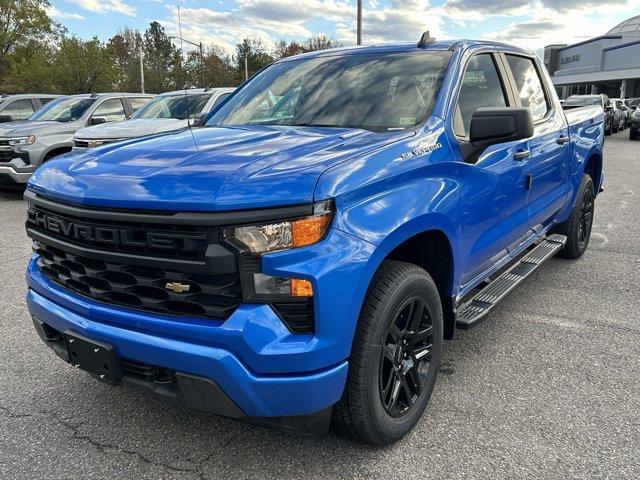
(549, 147)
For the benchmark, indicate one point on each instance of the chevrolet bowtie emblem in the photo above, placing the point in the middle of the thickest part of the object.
(178, 287)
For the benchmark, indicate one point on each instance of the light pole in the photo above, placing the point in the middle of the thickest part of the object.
(141, 69)
(359, 22)
(199, 46)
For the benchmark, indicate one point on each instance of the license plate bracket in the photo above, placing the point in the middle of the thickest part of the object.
(94, 357)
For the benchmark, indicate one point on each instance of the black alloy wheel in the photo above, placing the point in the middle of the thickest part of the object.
(405, 357)
(586, 217)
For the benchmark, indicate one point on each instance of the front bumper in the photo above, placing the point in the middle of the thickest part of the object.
(17, 171)
(263, 368)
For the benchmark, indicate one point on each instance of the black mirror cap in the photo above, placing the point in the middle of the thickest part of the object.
(6, 118)
(499, 125)
(98, 120)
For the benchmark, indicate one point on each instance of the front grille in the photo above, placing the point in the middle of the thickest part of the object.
(211, 296)
(157, 240)
(7, 155)
(82, 143)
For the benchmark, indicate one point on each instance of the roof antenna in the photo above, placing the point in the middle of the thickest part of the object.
(426, 40)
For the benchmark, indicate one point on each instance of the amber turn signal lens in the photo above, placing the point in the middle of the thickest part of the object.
(301, 288)
(308, 231)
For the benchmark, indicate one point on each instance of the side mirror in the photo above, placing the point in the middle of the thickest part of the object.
(6, 118)
(198, 119)
(97, 120)
(608, 108)
(491, 126)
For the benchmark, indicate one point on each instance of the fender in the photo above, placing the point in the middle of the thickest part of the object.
(590, 147)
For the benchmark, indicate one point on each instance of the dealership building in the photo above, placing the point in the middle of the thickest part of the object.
(608, 64)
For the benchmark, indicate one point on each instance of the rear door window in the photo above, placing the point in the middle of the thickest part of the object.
(18, 109)
(529, 85)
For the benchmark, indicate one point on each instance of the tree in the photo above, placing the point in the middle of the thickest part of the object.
(219, 68)
(254, 50)
(320, 42)
(162, 63)
(125, 50)
(83, 66)
(25, 30)
(284, 49)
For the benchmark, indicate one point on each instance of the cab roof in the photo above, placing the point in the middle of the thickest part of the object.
(441, 45)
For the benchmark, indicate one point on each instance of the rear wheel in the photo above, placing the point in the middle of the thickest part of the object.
(395, 356)
(633, 134)
(578, 227)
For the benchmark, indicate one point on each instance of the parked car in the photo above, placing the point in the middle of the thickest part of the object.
(167, 112)
(49, 132)
(14, 108)
(634, 121)
(611, 120)
(620, 112)
(293, 266)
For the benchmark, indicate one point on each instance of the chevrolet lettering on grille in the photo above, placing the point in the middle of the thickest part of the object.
(114, 236)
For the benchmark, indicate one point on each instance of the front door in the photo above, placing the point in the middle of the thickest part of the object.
(494, 203)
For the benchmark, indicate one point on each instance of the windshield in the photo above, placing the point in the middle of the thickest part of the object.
(390, 91)
(174, 106)
(582, 101)
(63, 110)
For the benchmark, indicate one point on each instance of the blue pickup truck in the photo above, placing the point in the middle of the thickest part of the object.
(299, 258)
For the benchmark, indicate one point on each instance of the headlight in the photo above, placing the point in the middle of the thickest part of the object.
(636, 112)
(283, 235)
(254, 240)
(22, 141)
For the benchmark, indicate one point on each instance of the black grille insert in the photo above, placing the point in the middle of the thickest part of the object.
(209, 296)
(152, 239)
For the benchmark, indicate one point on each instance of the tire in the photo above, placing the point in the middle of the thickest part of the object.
(578, 226)
(633, 134)
(608, 128)
(378, 407)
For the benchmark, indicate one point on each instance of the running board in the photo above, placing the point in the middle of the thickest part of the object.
(473, 312)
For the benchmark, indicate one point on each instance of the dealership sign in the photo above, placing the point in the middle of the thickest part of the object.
(570, 59)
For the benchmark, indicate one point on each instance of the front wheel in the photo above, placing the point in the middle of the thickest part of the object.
(395, 356)
(578, 227)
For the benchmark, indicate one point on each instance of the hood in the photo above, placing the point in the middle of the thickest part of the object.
(138, 127)
(7, 128)
(206, 169)
(42, 128)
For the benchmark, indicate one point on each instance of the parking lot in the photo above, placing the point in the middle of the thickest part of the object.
(547, 387)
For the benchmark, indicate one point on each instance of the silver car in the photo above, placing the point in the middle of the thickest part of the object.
(165, 113)
(49, 132)
(16, 108)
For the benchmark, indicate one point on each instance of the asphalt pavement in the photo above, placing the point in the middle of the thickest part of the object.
(547, 387)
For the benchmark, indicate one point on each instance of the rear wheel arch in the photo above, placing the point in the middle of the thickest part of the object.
(593, 168)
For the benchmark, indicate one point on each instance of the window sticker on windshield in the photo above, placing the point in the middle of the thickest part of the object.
(410, 121)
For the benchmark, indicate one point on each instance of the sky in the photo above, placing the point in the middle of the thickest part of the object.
(532, 24)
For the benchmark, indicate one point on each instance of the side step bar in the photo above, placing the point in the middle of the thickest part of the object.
(473, 312)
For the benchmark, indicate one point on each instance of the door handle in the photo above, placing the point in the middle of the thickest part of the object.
(563, 140)
(522, 154)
